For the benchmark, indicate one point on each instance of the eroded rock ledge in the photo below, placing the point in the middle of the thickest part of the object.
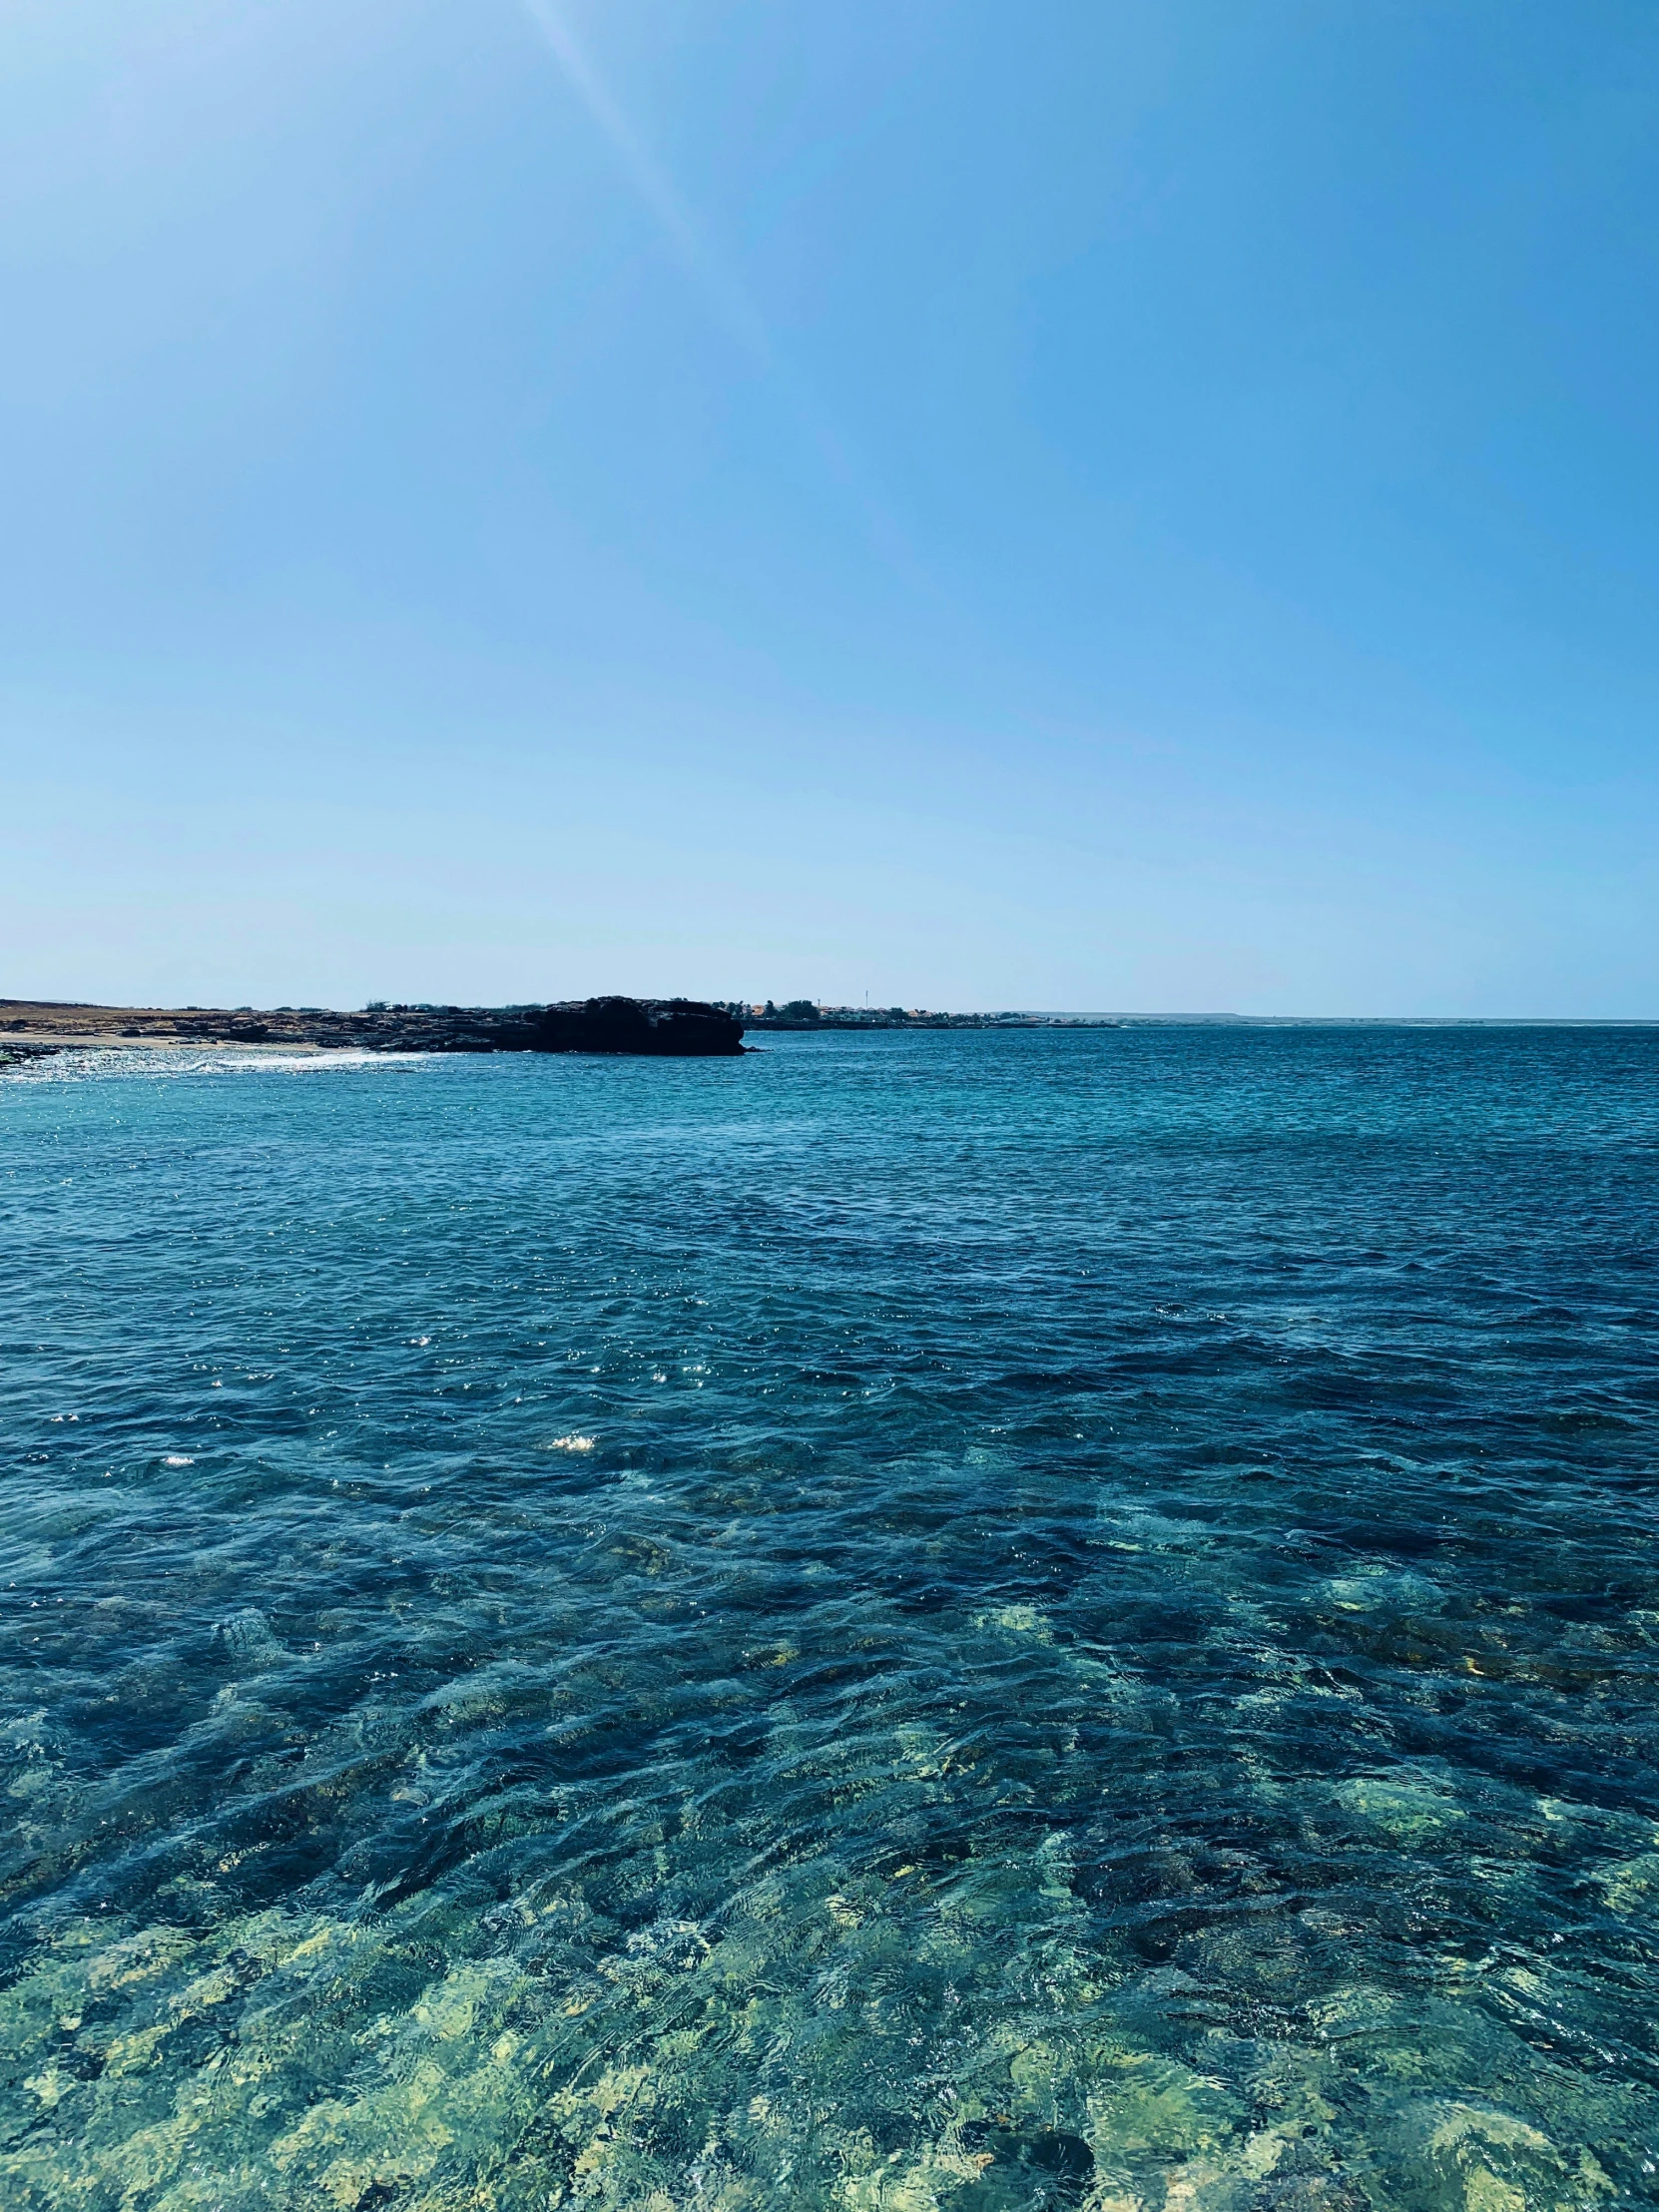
(674, 1028)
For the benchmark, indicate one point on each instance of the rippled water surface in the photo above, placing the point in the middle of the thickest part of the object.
(940, 1622)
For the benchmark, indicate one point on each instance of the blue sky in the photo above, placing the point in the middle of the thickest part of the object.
(1143, 505)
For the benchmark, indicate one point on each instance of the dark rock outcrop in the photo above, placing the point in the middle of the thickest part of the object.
(672, 1028)
(678, 1028)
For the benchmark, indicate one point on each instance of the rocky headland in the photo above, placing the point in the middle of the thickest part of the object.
(668, 1028)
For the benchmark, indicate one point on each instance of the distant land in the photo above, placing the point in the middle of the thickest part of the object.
(669, 1028)
(666, 1028)
(676, 1028)
(805, 1013)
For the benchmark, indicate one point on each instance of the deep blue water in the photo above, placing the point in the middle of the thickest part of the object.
(937, 1622)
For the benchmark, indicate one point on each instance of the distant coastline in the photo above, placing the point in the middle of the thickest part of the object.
(662, 1028)
(801, 1014)
(668, 1028)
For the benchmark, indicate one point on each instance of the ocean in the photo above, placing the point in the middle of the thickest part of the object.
(957, 1622)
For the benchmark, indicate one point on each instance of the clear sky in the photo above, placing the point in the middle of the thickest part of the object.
(1094, 504)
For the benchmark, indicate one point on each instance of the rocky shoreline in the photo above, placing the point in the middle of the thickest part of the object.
(664, 1028)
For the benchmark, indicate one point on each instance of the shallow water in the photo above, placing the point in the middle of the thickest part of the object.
(945, 1621)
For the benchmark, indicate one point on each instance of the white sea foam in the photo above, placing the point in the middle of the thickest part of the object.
(124, 1061)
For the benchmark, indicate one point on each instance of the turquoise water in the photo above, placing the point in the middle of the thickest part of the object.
(912, 1622)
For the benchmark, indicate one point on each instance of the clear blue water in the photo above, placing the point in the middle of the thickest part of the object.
(947, 1623)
